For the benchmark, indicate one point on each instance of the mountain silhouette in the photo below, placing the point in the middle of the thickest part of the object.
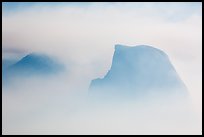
(139, 71)
(33, 64)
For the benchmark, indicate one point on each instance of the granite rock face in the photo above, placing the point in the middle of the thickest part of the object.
(138, 70)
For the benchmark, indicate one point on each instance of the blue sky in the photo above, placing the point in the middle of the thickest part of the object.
(18, 6)
(171, 12)
(13, 6)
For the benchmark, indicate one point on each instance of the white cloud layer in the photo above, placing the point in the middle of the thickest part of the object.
(86, 35)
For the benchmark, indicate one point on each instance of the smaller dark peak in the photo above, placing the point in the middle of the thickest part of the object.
(35, 56)
(35, 60)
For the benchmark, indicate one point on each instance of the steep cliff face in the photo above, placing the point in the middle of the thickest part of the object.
(138, 70)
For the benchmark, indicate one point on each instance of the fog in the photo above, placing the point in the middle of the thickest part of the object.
(83, 39)
(60, 105)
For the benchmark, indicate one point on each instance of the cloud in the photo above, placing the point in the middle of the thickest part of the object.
(86, 35)
(80, 32)
(46, 109)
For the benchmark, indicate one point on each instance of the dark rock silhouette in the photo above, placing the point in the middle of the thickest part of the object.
(138, 70)
(33, 64)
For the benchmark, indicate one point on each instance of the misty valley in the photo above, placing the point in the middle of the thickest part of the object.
(106, 68)
(140, 94)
